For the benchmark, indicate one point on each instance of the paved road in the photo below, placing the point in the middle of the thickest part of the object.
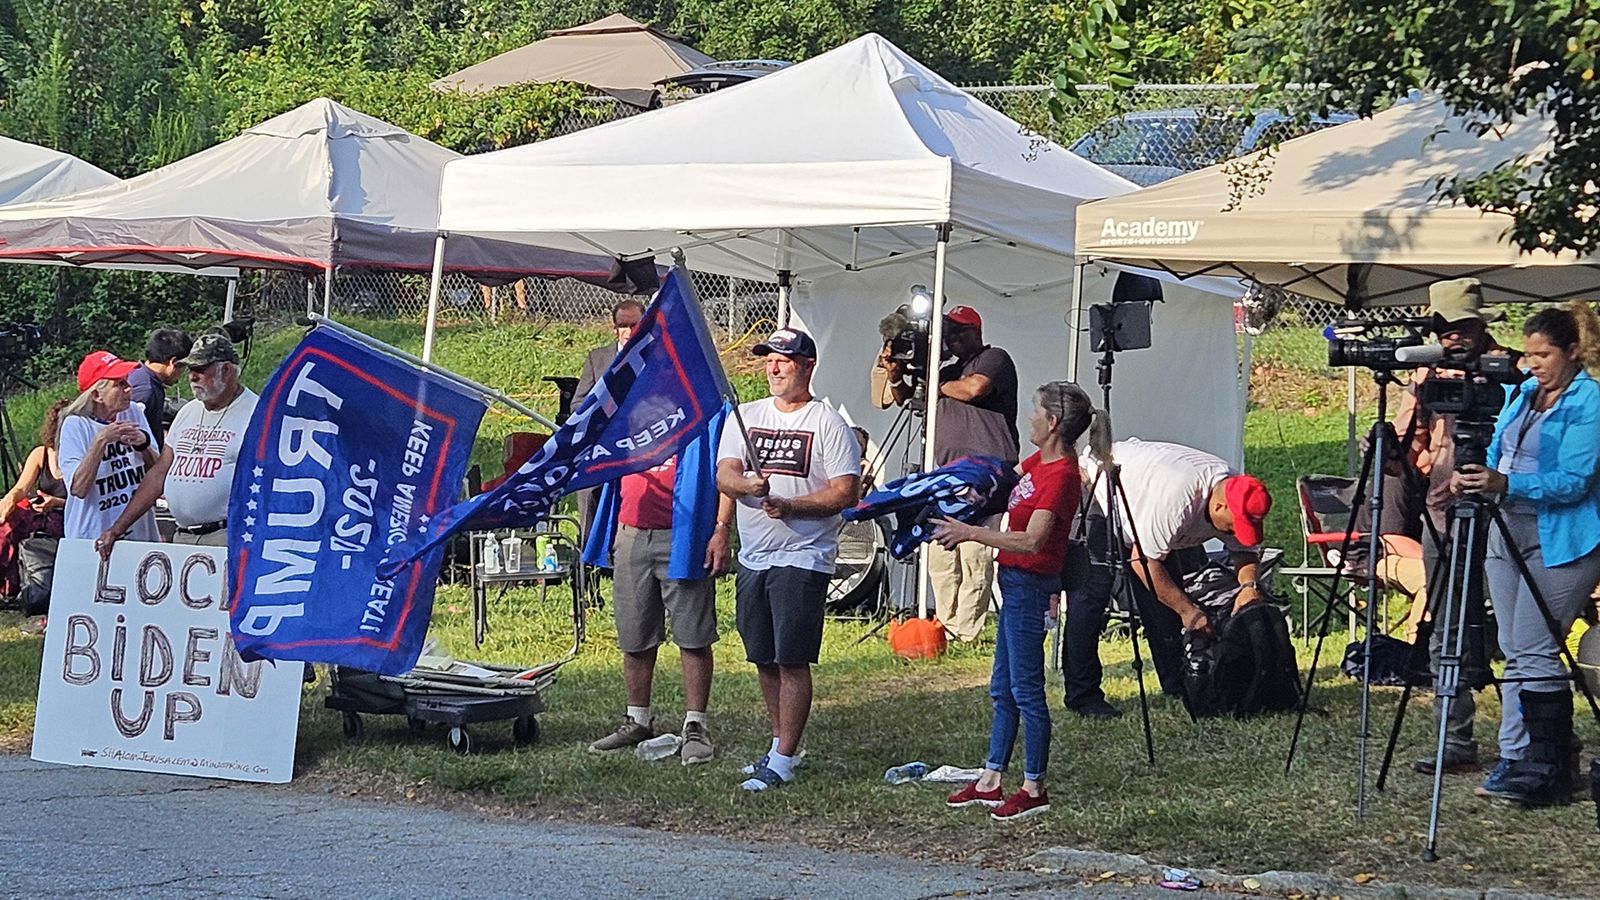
(72, 832)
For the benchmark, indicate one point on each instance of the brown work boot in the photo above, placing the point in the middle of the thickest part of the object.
(629, 734)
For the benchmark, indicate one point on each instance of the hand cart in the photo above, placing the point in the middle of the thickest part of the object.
(454, 695)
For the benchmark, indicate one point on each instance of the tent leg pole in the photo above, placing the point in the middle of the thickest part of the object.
(1352, 454)
(327, 292)
(311, 295)
(1245, 362)
(931, 417)
(785, 279)
(1074, 314)
(227, 304)
(435, 281)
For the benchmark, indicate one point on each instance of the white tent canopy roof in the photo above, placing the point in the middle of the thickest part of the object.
(840, 170)
(29, 172)
(835, 163)
(615, 54)
(316, 187)
(1348, 214)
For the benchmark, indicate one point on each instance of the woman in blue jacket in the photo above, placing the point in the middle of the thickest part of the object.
(1543, 462)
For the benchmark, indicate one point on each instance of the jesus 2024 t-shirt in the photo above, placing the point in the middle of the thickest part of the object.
(799, 452)
(118, 473)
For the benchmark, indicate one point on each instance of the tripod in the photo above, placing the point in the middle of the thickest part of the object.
(1377, 449)
(1117, 552)
(903, 573)
(11, 453)
(1470, 518)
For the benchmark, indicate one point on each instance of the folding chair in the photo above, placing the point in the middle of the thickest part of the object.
(1327, 515)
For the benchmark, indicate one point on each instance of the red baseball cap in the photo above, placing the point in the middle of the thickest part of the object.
(965, 316)
(102, 364)
(1249, 501)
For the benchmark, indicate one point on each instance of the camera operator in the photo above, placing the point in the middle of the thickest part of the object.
(1542, 461)
(977, 415)
(1461, 325)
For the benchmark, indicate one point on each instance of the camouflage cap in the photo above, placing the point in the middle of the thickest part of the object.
(208, 349)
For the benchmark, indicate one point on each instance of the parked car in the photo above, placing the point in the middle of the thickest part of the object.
(1152, 146)
(711, 76)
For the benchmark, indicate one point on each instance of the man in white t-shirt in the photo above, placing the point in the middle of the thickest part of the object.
(791, 465)
(195, 469)
(1178, 498)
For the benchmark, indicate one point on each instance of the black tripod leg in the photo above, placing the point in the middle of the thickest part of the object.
(1144, 699)
(1327, 611)
(1418, 647)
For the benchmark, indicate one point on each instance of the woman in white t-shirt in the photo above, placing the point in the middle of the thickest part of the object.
(105, 447)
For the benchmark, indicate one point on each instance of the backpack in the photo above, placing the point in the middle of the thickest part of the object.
(1248, 669)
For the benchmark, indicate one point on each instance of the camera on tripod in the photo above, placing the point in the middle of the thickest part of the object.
(1475, 399)
(905, 332)
(19, 341)
(1383, 346)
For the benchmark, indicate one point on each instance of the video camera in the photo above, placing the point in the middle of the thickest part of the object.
(1475, 399)
(1393, 344)
(905, 332)
(19, 341)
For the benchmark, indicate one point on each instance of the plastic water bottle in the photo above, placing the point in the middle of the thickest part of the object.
(549, 562)
(908, 772)
(491, 555)
(659, 747)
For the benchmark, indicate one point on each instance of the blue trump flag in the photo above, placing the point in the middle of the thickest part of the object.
(349, 452)
(662, 389)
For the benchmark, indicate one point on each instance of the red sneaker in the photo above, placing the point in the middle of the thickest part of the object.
(1020, 806)
(971, 796)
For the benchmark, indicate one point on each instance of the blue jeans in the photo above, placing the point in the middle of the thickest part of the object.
(1017, 684)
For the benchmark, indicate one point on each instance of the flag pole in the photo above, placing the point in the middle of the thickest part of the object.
(489, 392)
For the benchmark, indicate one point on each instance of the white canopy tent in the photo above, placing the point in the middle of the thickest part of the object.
(1347, 214)
(849, 178)
(317, 188)
(29, 172)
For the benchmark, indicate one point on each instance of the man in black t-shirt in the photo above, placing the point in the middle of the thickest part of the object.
(977, 415)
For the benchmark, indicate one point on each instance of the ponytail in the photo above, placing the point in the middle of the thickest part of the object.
(1588, 333)
(1100, 436)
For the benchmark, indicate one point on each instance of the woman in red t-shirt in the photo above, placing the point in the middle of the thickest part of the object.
(1032, 549)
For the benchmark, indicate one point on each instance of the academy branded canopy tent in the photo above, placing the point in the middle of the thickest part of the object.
(318, 188)
(29, 172)
(1347, 214)
(847, 179)
(615, 55)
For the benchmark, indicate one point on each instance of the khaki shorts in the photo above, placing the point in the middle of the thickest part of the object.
(643, 597)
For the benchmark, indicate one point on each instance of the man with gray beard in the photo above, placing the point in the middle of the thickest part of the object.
(195, 469)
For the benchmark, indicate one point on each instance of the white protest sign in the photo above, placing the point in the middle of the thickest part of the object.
(140, 673)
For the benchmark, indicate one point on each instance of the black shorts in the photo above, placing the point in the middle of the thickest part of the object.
(779, 614)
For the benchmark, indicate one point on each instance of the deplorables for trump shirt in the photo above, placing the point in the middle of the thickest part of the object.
(118, 473)
(205, 449)
(799, 452)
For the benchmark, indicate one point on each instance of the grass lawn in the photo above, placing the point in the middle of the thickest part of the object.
(1218, 795)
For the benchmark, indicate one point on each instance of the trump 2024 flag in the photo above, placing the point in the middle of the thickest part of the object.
(349, 453)
(659, 393)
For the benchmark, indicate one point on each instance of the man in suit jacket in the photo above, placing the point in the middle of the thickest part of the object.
(625, 316)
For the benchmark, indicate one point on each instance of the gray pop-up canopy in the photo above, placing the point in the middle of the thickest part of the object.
(317, 188)
(29, 172)
(1349, 214)
(616, 55)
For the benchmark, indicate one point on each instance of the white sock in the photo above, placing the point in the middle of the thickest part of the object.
(774, 748)
(782, 765)
(641, 714)
(692, 716)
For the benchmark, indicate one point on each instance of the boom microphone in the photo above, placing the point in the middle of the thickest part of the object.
(1425, 354)
(893, 324)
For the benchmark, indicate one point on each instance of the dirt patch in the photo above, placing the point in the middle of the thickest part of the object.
(1284, 389)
